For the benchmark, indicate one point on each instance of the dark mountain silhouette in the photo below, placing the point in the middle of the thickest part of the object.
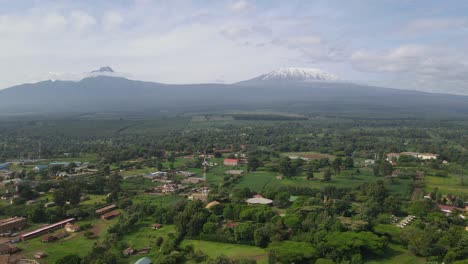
(107, 94)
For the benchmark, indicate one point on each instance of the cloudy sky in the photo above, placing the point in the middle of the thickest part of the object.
(407, 44)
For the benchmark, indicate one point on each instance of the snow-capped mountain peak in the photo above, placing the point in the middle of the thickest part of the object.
(298, 74)
(103, 69)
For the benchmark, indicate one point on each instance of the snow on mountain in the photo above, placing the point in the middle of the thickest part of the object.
(103, 69)
(298, 74)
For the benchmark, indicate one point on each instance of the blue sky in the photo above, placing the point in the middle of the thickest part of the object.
(406, 44)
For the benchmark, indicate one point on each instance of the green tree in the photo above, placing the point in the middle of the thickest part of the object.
(253, 163)
(310, 173)
(69, 259)
(336, 164)
(293, 252)
(285, 167)
(327, 175)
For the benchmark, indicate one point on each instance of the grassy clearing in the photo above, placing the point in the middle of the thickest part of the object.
(145, 237)
(157, 199)
(450, 184)
(259, 180)
(75, 243)
(398, 254)
(214, 249)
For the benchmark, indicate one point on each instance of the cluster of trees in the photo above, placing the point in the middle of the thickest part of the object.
(358, 138)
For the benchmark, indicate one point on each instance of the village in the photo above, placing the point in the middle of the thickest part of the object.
(192, 185)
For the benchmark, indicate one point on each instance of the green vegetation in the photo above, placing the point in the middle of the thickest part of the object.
(334, 195)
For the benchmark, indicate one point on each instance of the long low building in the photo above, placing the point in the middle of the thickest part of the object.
(12, 224)
(106, 209)
(46, 229)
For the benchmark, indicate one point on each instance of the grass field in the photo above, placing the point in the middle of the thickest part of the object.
(398, 254)
(214, 249)
(450, 184)
(259, 180)
(75, 243)
(145, 237)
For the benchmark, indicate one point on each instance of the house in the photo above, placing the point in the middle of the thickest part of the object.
(8, 248)
(198, 196)
(449, 209)
(69, 227)
(106, 209)
(231, 162)
(110, 215)
(158, 173)
(369, 162)
(12, 224)
(234, 172)
(193, 180)
(427, 156)
(156, 226)
(170, 188)
(212, 204)
(259, 200)
(392, 156)
(185, 173)
(144, 260)
(39, 168)
(231, 225)
(40, 255)
(128, 252)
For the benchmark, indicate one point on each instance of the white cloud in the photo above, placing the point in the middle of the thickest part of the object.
(239, 5)
(416, 67)
(112, 19)
(182, 42)
(81, 20)
(435, 24)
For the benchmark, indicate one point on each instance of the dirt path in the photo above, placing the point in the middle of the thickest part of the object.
(415, 194)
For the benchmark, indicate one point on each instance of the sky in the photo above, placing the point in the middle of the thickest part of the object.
(406, 44)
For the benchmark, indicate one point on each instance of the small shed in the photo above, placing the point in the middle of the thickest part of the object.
(156, 226)
(40, 255)
(128, 252)
(69, 227)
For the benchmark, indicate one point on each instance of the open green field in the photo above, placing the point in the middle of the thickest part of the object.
(75, 243)
(450, 184)
(214, 249)
(157, 199)
(398, 254)
(145, 237)
(259, 180)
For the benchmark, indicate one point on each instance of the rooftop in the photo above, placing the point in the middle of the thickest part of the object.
(259, 201)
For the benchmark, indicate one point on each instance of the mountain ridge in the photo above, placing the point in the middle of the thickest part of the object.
(112, 93)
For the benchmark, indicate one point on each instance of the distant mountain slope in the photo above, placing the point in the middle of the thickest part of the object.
(295, 91)
(291, 75)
